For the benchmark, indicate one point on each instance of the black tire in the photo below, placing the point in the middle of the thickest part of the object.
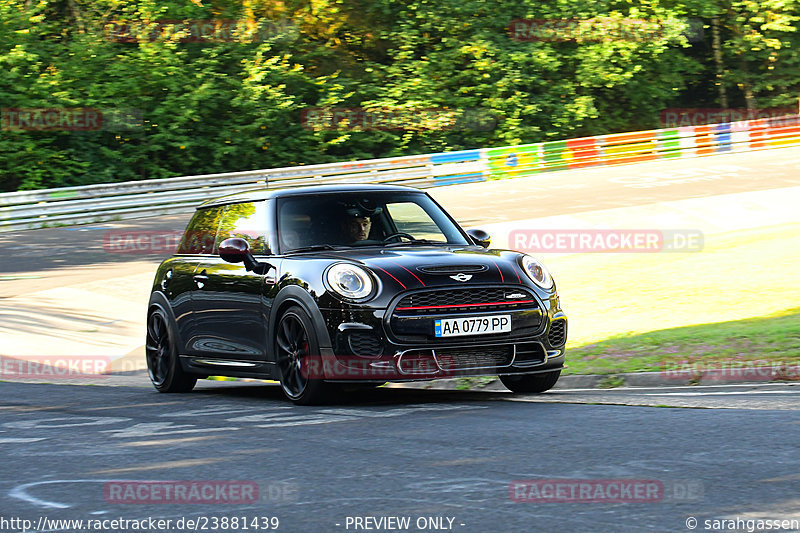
(161, 351)
(295, 343)
(528, 383)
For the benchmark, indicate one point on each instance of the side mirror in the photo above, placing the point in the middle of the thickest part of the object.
(480, 237)
(235, 250)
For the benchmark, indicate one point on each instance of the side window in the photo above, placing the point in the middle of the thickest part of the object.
(246, 221)
(198, 239)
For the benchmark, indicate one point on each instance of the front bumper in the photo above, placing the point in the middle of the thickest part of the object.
(363, 349)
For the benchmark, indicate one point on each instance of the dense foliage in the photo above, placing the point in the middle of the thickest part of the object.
(236, 102)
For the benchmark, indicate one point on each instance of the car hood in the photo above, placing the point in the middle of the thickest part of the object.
(419, 267)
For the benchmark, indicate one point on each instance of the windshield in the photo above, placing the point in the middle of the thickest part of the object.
(363, 219)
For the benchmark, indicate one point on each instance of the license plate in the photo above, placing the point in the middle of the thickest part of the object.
(474, 325)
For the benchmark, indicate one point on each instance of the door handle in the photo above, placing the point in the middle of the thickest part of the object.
(200, 279)
(271, 277)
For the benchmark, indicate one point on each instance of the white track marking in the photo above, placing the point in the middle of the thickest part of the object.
(326, 416)
(671, 387)
(306, 421)
(21, 492)
(726, 393)
(157, 429)
(210, 411)
(89, 421)
(264, 417)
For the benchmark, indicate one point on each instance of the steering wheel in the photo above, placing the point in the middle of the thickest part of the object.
(400, 234)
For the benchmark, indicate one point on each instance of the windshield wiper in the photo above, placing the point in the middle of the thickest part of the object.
(315, 248)
(414, 242)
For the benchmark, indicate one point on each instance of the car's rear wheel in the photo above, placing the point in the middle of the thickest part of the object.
(297, 357)
(162, 356)
(531, 382)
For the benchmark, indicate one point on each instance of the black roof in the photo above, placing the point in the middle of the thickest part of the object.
(265, 194)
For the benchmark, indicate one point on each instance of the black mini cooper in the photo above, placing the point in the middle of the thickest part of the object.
(361, 284)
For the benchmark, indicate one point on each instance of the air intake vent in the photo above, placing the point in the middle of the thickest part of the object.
(529, 353)
(558, 333)
(477, 357)
(365, 344)
(446, 270)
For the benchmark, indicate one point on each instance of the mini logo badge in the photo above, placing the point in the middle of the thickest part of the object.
(462, 277)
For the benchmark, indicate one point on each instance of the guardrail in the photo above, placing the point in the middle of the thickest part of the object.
(114, 201)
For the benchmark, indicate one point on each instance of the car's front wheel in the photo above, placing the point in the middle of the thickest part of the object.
(531, 382)
(297, 357)
(162, 356)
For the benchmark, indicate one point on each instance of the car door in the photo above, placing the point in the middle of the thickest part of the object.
(227, 300)
(178, 284)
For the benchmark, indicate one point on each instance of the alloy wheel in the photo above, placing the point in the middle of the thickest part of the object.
(158, 348)
(292, 352)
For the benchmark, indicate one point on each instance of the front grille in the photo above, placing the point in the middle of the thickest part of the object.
(365, 343)
(466, 299)
(477, 357)
(558, 333)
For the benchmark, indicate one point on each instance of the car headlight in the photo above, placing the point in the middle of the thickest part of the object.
(537, 272)
(350, 281)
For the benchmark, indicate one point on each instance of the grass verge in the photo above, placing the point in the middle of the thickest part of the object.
(765, 341)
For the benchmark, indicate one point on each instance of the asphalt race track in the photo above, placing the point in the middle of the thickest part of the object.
(472, 461)
(404, 453)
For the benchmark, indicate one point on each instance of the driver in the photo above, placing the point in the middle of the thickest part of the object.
(356, 218)
(356, 227)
